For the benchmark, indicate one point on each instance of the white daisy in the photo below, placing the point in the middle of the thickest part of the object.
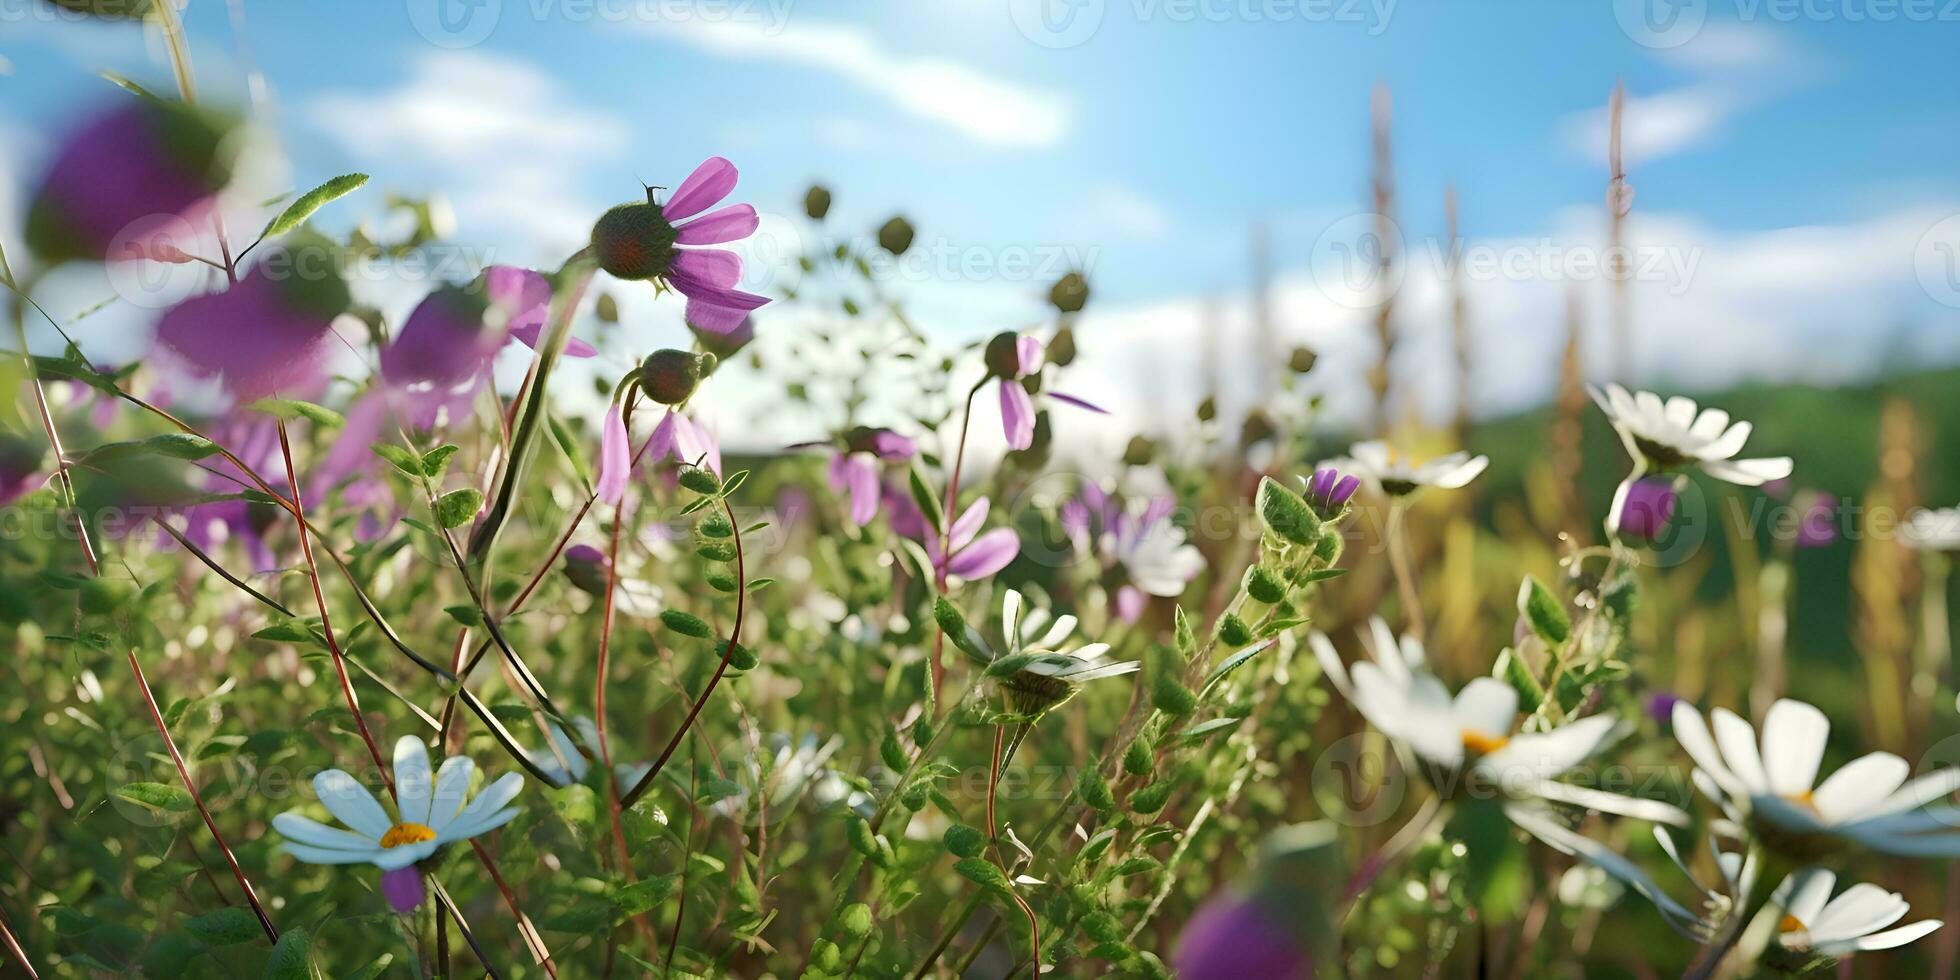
(1669, 436)
(1717, 902)
(1472, 740)
(434, 810)
(1814, 922)
(1774, 789)
(1037, 676)
(1396, 476)
(1932, 530)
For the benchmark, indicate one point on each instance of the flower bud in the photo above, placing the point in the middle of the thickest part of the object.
(1207, 409)
(1069, 293)
(896, 236)
(587, 568)
(816, 202)
(670, 376)
(1003, 356)
(1649, 507)
(606, 308)
(1061, 348)
(1301, 360)
(634, 241)
(1140, 451)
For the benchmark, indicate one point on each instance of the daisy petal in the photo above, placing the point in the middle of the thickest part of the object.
(732, 223)
(1793, 746)
(413, 783)
(1487, 706)
(1883, 940)
(1738, 743)
(452, 788)
(703, 189)
(1728, 443)
(1749, 472)
(305, 830)
(328, 855)
(1692, 732)
(351, 803)
(1859, 786)
(487, 802)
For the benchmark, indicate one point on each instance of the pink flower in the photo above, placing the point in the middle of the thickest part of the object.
(263, 335)
(614, 464)
(684, 440)
(1012, 358)
(644, 241)
(20, 467)
(855, 467)
(968, 553)
(140, 165)
(1234, 936)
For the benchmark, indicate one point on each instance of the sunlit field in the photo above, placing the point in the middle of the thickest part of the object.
(472, 512)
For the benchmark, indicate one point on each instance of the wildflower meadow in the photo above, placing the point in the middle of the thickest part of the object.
(375, 606)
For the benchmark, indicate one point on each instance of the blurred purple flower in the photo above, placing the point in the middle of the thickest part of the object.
(907, 520)
(968, 554)
(684, 440)
(1141, 543)
(1012, 358)
(1660, 707)
(127, 170)
(1328, 491)
(855, 467)
(587, 567)
(1649, 506)
(615, 463)
(1232, 937)
(263, 335)
(1817, 527)
(20, 467)
(403, 889)
(254, 439)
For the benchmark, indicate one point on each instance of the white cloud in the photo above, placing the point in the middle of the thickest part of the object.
(1723, 47)
(503, 139)
(1656, 125)
(988, 109)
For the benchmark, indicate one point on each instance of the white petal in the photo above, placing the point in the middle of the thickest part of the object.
(1728, 443)
(1461, 473)
(1692, 733)
(1064, 625)
(1487, 706)
(1921, 791)
(305, 830)
(1547, 754)
(1089, 651)
(1738, 743)
(1912, 821)
(1883, 940)
(1804, 894)
(453, 787)
(1330, 663)
(1680, 413)
(1383, 647)
(1910, 845)
(1860, 786)
(1431, 728)
(478, 825)
(492, 799)
(1863, 908)
(1709, 426)
(1010, 620)
(1651, 412)
(403, 855)
(1381, 699)
(1100, 671)
(351, 803)
(1373, 454)
(1638, 808)
(413, 783)
(1793, 746)
(328, 855)
(1604, 858)
(1749, 472)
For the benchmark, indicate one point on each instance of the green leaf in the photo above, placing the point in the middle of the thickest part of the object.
(1152, 798)
(1513, 671)
(175, 445)
(291, 631)
(402, 459)
(983, 873)
(1197, 733)
(436, 460)
(1234, 662)
(734, 482)
(225, 927)
(856, 919)
(928, 501)
(1286, 515)
(1544, 612)
(1186, 639)
(292, 408)
(686, 624)
(964, 841)
(303, 207)
(1137, 866)
(467, 615)
(953, 622)
(458, 507)
(643, 895)
(291, 958)
(1094, 790)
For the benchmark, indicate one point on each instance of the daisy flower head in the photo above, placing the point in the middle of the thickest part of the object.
(1036, 672)
(1016, 361)
(660, 242)
(1395, 476)
(433, 809)
(1770, 785)
(1932, 530)
(1676, 435)
(1818, 927)
(1135, 541)
(1472, 742)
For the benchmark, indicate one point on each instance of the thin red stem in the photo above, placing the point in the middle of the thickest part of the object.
(945, 537)
(993, 784)
(14, 947)
(184, 773)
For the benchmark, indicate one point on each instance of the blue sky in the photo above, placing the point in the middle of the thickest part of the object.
(1792, 161)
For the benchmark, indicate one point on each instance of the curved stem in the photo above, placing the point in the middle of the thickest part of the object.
(945, 537)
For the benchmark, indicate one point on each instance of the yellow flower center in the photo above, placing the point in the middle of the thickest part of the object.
(1791, 923)
(406, 833)
(1483, 744)
(1801, 799)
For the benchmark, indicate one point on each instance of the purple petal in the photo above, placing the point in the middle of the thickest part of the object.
(1232, 936)
(352, 450)
(403, 889)
(1130, 603)
(1078, 403)
(703, 189)
(732, 223)
(854, 471)
(718, 267)
(715, 319)
(1649, 507)
(122, 169)
(1016, 414)
(574, 347)
(249, 335)
(988, 554)
(661, 443)
(444, 342)
(524, 295)
(892, 447)
(694, 445)
(1028, 351)
(1322, 485)
(906, 519)
(969, 523)
(613, 463)
(1344, 490)
(1075, 518)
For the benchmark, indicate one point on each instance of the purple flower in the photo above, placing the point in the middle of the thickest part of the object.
(1130, 603)
(907, 520)
(1328, 491)
(614, 458)
(1660, 707)
(1141, 541)
(1649, 506)
(20, 468)
(1012, 358)
(684, 440)
(263, 335)
(968, 553)
(587, 567)
(1232, 937)
(855, 467)
(726, 345)
(136, 167)
(1817, 527)
(643, 241)
(403, 889)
